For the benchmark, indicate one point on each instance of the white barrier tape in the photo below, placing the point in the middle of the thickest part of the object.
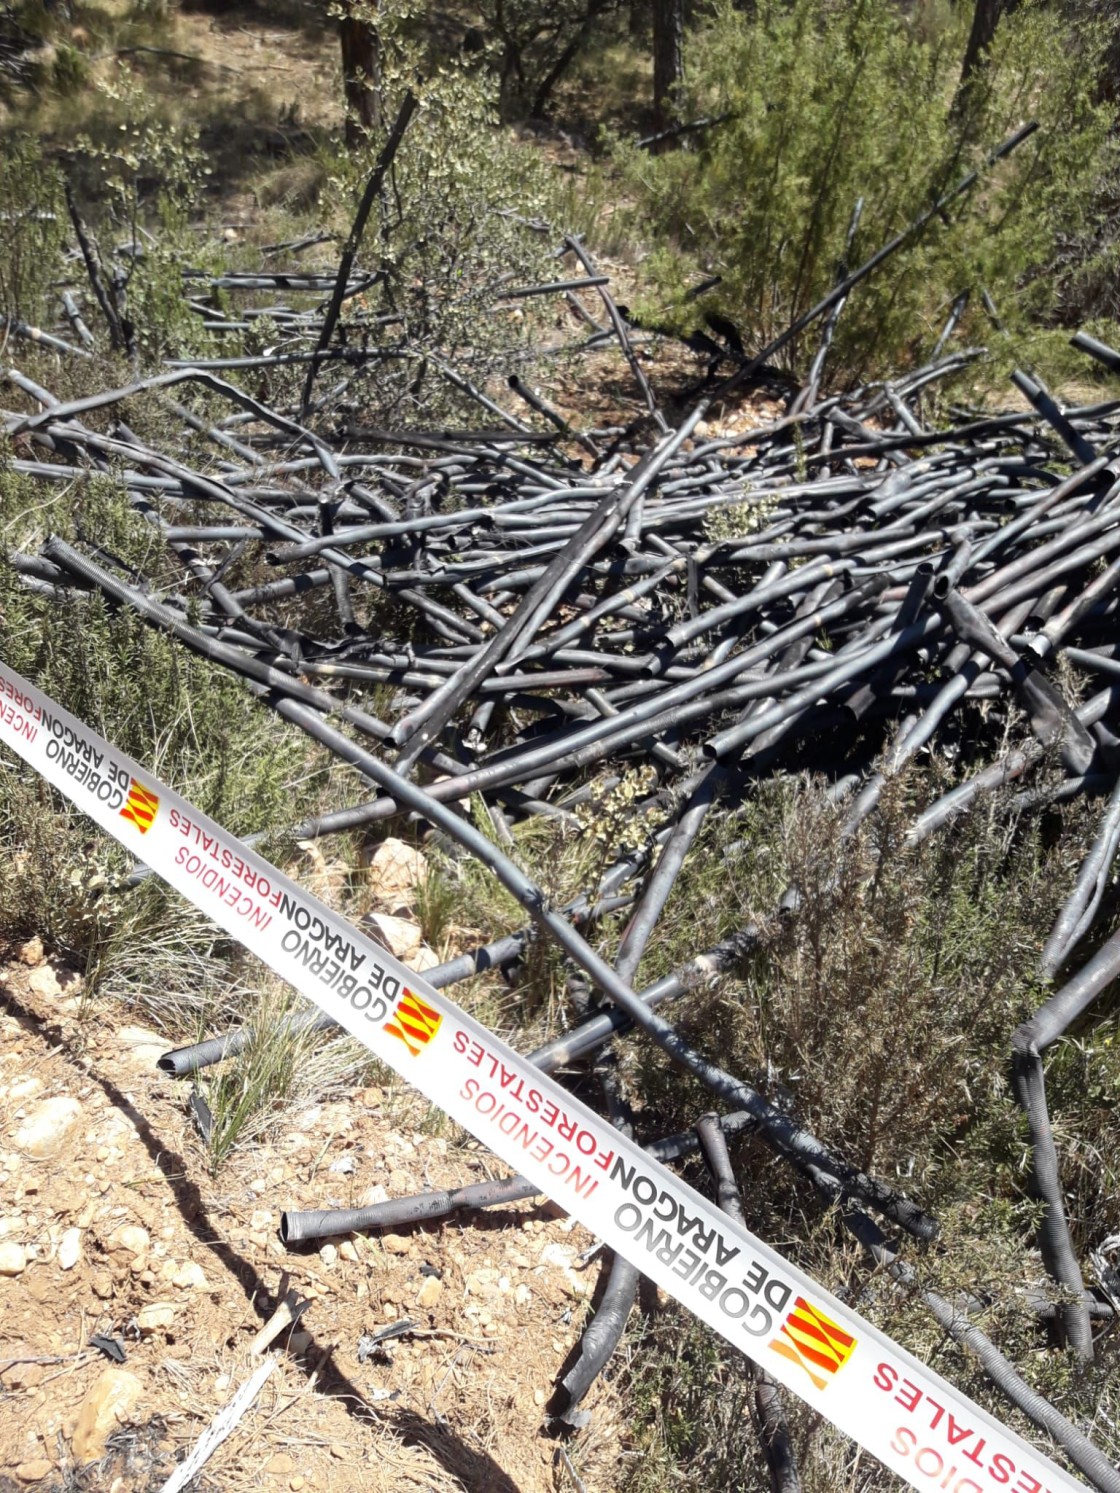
(897, 1409)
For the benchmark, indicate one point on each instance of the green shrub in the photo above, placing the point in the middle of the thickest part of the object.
(448, 234)
(833, 103)
(140, 170)
(32, 226)
(187, 721)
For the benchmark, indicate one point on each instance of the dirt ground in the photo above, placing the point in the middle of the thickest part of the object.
(116, 1227)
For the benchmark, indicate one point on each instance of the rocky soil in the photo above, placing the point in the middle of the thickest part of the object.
(111, 1224)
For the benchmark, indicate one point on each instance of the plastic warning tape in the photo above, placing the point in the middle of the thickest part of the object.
(897, 1409)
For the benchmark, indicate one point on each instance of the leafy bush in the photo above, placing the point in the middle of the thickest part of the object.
(880, 1016)
(138, 167)
(832, 103)
(187, 721)
(31, 228)
(448, 234)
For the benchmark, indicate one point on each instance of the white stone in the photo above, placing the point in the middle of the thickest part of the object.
(430, 1292)
(131, 1239)
(47, 1126)
(155, 1316)
(561, 1256)
(395, 869)
(189, 1276)
(401, 937)
(70, 1249)
(13, 1259)
(51, 980)
(141, 1048)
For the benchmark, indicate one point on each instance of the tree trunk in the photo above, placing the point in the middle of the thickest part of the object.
(668, 64)
(985, 19)
(361, 74)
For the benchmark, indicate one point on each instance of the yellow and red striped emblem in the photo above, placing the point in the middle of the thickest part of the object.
(414, 1022)
(816, 1342)
(140, 807)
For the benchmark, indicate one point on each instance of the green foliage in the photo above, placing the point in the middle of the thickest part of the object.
(880, 1016)
(834, 103)
(448, 233)
(140, 166)
(437, 903)
(190, 723)
(278, 1069)
(32, 228)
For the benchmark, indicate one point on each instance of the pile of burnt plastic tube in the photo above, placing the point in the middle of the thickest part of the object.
(827, 592)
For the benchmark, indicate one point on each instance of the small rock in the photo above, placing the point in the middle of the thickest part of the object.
(101, 1286)
(280, 1464)
(430, 1292)
(261, 1219)
(140, 1047)
(348, 1250)
(398, 935)
(562, 1256)
(395, 869)
(189, 1276)
(70, 1249)
(297, 1483)
(108, 1402)
(31, 952)
(24, 1089)
(47, 1126)
(155, 1317)
(396, 1244)
(51, 980)
(522, 1295)
(13, 1259)
(131, 1239)
(34, 1472)
(424, 958)
(328, 1253)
